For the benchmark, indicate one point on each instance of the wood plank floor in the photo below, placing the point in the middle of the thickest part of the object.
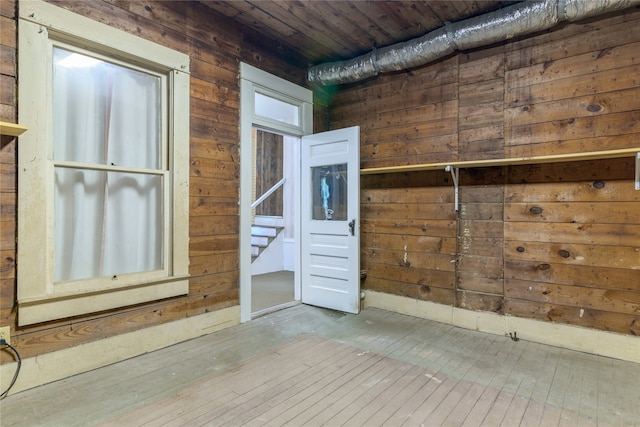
(312, 367)
(271, 290)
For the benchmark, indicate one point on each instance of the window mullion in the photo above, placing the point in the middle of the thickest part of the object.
(107, 168)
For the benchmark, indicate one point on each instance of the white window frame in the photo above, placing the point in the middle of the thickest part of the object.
(39, 298)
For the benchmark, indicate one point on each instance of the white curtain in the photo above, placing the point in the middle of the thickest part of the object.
(106, 223)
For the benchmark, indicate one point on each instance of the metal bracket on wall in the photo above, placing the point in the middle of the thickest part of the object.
(455, 174)
(638, 170)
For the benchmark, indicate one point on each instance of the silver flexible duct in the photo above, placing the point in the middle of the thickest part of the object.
(516, 20)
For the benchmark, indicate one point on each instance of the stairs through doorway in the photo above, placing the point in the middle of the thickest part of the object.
(261, 236)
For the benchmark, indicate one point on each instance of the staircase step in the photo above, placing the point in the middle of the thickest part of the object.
(260, 241)
(257, 230)
(261, 237)
(268, 221)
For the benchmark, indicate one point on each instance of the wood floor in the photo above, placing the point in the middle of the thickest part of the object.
(309, 366)
(271, 290)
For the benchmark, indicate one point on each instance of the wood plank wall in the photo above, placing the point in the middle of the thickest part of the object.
(558, 242)
(269, 167)
(8, 158)
(216, 46)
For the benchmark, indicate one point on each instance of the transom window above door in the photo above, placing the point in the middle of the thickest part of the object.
(276, 109)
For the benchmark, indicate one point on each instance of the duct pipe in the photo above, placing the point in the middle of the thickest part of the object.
(513, 21)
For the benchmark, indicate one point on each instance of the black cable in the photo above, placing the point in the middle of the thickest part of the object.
(15, 376)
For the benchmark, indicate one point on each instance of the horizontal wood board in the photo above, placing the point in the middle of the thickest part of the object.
(216, 45)
(569, 91)
(544, 131)
(327, 30)
(326, 368)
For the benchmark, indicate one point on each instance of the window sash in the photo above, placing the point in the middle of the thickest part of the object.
(160, 154)
(107, 223)
(41, 25)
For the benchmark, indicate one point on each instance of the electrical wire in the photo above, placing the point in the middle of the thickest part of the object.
(15, 376)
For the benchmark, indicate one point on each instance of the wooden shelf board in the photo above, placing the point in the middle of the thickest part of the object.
(573, 157)
(11, 129)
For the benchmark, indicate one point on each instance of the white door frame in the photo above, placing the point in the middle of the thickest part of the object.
(252, 81)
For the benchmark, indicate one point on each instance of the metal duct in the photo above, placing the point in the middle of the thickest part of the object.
(516, 20)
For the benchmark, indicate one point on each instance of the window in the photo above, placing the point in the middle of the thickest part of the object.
(275, 109)
(103, 171)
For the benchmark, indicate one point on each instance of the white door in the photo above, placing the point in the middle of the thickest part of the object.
(330, 219)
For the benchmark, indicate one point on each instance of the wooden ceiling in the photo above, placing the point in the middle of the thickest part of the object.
(329, 30)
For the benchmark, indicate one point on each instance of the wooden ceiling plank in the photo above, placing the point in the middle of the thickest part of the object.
(421, 17)
(389, 31)
(361, 13)
(402, 29)
(454, 11)
(357, 22)
(316, 43)
(263, 22)
(270, 26)
(448, 11)
(328, 13)
(313, 16)
(329, 30)
(224, 7)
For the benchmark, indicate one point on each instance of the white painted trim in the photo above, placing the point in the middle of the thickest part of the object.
(609, 344)
(39, 298)
(297, 191)
(74, 305)
(275, 83)
(246, 184)
(250, 78)
(57, 365)
(63, 24)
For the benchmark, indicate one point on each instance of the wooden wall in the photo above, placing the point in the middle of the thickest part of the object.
(269, 160)
(8, 158)
(216, 46)
(558, 242)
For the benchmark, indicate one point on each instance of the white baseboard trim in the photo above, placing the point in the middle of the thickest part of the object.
(61, 364)
(609, 344)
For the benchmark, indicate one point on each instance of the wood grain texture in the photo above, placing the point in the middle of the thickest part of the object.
(408, 241)
(269, 161)
(331, 30)
(12, 129)
(568, 91)
(215, 45)
(537, 225)
(374, 369)
(8, 157)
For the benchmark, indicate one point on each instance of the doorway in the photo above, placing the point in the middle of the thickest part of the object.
(273, 221)
(274, 105)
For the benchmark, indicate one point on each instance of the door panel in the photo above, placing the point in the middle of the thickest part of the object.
(330, 210)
